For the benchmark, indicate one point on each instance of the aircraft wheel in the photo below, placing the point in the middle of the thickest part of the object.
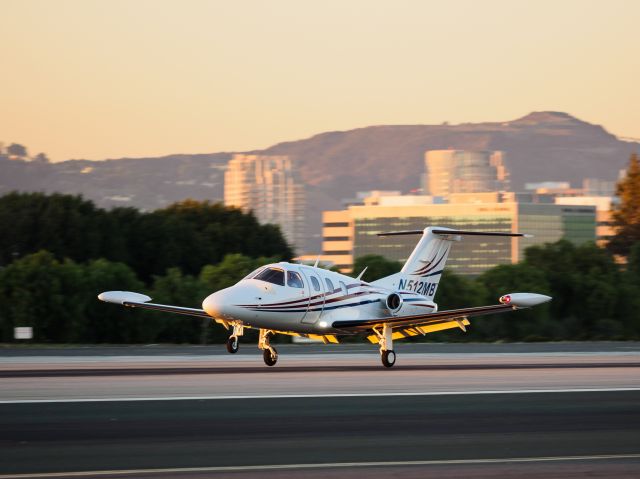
(270, 356)
(388, 358)
(233, 344)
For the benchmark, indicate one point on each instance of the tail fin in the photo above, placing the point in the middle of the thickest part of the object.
(422, 271)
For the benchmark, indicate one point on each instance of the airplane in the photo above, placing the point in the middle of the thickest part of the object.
(308, 301)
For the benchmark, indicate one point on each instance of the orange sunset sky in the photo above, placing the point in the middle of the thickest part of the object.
(106, 79)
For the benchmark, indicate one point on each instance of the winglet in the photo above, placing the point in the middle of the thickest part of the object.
(121, 297)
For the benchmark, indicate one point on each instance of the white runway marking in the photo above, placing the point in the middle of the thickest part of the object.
(323, 395)
(335, 465)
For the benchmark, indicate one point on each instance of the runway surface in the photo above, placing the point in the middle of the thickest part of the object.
(550, 413)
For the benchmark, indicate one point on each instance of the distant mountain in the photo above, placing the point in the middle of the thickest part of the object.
(334, 165)
(539, 146)
(145, 183)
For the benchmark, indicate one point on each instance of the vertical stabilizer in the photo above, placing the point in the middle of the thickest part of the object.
(422, 271)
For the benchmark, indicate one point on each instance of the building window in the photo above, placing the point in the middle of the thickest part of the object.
(336, 225)
(336, 252)
(336, 238)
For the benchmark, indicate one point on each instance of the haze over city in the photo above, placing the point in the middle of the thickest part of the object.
(95, 80)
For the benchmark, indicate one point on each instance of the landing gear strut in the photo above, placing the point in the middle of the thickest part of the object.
(233, 343)
(269, 353)
(387, 354)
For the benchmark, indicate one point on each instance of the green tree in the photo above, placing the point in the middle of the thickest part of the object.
(18, 150)
(59, 300)
(41, 292)
(587, 286)
(187, 235)
(107, 323)
(626, 214)
(229, 271)
(455, 291)
(377, 267)
(182, 290)
(528, 324)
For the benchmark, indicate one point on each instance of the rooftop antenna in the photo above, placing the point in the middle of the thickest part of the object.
(360, 275)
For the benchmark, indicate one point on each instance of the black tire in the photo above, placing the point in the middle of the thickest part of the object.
(388, 358)
(269, 358)
(233, 344)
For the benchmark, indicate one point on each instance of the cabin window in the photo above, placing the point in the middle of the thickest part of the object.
(344, 288)
(330, 287)
(271, 275)
(315, 283)
(294, 280)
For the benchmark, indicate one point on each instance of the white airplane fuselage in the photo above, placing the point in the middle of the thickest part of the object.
(309, 302)
(295, 299)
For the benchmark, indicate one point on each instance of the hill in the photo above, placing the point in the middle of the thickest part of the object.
(539, 146)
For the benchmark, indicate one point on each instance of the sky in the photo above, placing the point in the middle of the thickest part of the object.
(108, 79)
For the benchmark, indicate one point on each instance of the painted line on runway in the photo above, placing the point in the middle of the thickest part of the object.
(334, 465)
(152, 370)
(321, 395)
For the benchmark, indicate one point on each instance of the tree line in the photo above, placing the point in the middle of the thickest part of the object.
(187, 235)
(594, 297)
(57, 252)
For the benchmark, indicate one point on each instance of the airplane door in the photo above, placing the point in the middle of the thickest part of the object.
(316, 295)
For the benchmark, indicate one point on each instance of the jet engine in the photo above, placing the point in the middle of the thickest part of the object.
(393, 303)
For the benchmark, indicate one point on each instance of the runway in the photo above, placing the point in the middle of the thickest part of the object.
(477, 415)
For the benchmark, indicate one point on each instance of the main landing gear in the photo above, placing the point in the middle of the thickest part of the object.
(269, 353)
(233, 344)
(387, 354)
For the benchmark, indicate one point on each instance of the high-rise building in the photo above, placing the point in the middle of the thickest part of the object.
(464, 171)
(604, 217)
(351, 233)
(269, 186)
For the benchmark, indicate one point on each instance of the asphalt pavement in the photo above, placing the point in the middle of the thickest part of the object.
(474, 411)
(126, 435)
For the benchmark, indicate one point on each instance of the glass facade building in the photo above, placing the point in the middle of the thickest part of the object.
(473, 255)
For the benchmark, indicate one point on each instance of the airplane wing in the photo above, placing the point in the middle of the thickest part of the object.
(137, 300)
(413, 325)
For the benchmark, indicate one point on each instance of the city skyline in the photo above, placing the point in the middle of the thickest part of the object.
(100, 80)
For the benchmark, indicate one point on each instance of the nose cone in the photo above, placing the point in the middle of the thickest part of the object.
(214, 304)
(229, 303)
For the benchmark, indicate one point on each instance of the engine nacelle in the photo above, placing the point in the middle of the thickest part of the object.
(393, 303)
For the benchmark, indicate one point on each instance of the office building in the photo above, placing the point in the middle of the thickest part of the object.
(464, 171)
(352, 232)
(269, 186)
(604, 216)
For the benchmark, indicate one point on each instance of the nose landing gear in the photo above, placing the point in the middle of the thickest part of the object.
(269, 353)
(233, 344)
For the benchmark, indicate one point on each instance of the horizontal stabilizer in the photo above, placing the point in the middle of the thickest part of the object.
(454, 232)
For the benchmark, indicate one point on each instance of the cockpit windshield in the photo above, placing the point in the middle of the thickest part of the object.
(253, 273)
(271, 275)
